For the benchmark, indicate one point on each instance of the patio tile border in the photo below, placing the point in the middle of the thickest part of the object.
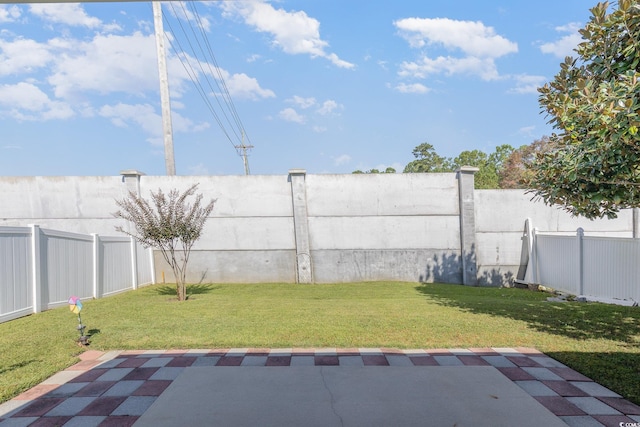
(117, 387)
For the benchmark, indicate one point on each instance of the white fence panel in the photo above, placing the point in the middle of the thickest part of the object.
(606, 268)
(557, 261)
(16, 298)
(144, 259)
(612, 268)
(67, 269)
(115, 268)
(42, 268)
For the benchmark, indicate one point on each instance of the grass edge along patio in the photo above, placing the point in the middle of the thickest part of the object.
(598, 340)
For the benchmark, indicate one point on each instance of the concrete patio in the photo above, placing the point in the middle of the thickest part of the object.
(319, 387)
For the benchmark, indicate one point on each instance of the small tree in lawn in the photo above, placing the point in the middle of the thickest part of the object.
(167, 223)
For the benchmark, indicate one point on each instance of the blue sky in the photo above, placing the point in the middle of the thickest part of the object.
(329, 86)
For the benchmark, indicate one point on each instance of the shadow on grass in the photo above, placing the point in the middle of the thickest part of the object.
(617, 371)
(16, 366)
(170, 290)
(569, 319)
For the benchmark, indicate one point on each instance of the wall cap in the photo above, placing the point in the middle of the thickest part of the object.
(468, 169)
(297, 171)
(131, 172)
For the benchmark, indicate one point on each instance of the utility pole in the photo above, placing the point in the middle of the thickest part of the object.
(244, 149)
(167, 131)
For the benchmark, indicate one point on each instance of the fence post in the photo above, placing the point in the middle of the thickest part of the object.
(36, 268)
(636, 223)
(152, 266)
(525, 251)
(134, 262)
(304, 272)
(97, 292)
(534, 254)
(580, 239)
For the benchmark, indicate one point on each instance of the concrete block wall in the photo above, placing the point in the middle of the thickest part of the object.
(384, 227)
(319, 228)
(249, 236)
(70, 203)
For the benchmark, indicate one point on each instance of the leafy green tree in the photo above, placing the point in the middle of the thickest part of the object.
(169, 224)
(489, 165)
(387, 170)
(486, 176)
(516, 170)
(427, 160)
(498, 158)
(593, 102)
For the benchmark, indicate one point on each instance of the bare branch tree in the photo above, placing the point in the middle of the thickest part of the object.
(167, 223)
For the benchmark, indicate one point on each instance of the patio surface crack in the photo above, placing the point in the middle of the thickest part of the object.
(324, 382)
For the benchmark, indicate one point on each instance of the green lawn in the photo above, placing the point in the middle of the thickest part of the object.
(598, 340)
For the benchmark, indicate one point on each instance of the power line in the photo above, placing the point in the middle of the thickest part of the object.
(186, 64)
(226, 111)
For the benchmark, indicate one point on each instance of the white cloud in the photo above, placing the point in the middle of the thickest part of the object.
(412, 88)
(69, 14)
(485, 68)
(73, 71)
(342, 160)
(9, 13)
(22, 56)
(112, 63)
(301, 102)
(77, 70)
(478, 46)
(472, 38)
(328, 107)
(181, 124)
(145, 116)
(319, 129)
(291, 115)
(565, 45)
(107, 64)
(243, 86)
(526, 84)
(294, 32)
(25, 101)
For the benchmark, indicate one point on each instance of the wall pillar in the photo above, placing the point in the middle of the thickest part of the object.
(636, 223)
(467, 225)
(304, 271)
(131, 179)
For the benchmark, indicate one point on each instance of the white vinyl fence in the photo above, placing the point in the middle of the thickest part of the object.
(41, 268)
(601, 267)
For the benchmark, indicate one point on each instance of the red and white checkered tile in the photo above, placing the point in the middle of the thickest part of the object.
(116, 388)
